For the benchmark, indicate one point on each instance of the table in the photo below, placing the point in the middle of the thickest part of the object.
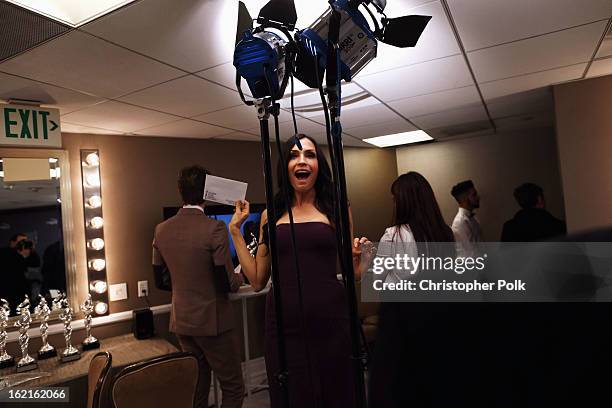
(244, 293)
(125, 349)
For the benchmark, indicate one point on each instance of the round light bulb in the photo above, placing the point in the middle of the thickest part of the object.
(96, 222)
(101, 308)
(95, 244)
(94, 201)
(98, 286)
(97, 264)
(52, 160)
(92, 159)
(92, 180)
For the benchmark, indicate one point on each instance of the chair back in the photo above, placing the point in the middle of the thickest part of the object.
(99, 367)
(161, 382)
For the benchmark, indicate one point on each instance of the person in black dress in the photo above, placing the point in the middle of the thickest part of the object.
(316, 331)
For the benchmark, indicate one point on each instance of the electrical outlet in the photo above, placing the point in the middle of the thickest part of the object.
(143, 288)
(117, 292)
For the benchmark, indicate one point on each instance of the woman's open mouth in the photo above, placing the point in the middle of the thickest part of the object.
(302, 174)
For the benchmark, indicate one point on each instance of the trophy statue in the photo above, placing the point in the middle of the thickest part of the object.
(26, 363)
(70, 353)
(56, 303)
(6, 360)
(90, 341)
(42, 311)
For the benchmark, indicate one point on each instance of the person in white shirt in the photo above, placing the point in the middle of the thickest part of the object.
(417, 220)
(466, 227)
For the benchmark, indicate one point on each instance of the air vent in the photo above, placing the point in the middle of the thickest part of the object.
(21, 30)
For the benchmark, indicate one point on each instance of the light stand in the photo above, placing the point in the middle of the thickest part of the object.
(264, 107)
(343, 230)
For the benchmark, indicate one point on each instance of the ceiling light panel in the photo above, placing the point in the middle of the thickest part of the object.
(104, 70)
(483, 23)
(399, 139)
(71, 12)
(556, 50)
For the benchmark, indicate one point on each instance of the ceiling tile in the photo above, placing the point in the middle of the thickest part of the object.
(366, 112)
(81, 62)
(187, 96)
(354, 142)
(117, 115)
(560, 49)
(527, 121)
(186, 128)
(239, 117)
(381, 129)
(482, 23)
(224, 74)
(316, 130)
(449, 118)
(239, 136)
(605, 48)
(539, 100)
(191, 35)
(13, 87)
(436, 102)
(74, 128)
(496, 89)
(600, 67)
(418, 79)
(437, 40)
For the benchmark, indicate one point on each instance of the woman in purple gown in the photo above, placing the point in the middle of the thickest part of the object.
(316, 333)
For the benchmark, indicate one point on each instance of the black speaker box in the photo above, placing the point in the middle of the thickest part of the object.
(142, 323)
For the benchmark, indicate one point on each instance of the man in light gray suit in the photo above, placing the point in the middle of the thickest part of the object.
(195, 251)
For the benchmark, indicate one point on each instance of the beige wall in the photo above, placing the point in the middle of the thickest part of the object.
(584, 134)
(139, 178)
(497, 164)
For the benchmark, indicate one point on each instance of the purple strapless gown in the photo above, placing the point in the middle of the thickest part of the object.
(325, 337)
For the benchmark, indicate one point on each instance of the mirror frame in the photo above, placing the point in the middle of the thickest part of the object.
(67, 217)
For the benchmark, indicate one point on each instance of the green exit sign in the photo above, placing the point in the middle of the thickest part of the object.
(33, 126)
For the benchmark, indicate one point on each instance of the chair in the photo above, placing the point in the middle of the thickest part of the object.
(161, 382)
(99, 367)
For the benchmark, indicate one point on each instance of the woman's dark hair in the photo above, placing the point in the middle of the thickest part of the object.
(416, 206)
(323, 185)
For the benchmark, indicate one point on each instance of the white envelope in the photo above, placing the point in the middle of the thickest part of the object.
(224, 191)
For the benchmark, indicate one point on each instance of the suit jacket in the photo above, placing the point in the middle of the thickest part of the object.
(195, 249)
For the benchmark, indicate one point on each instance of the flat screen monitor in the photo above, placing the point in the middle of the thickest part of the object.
(249, 229)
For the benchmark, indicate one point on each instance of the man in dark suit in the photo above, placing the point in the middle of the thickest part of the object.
(532, 222)
(195, 251)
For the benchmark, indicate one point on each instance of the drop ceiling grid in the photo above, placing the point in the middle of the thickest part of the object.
(486, 23)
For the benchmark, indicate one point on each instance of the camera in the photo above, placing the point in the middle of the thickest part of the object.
(24, 244)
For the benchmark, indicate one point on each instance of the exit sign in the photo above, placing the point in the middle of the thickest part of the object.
(32, 126)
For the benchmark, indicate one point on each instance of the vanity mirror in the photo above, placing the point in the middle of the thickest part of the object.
(36, 227)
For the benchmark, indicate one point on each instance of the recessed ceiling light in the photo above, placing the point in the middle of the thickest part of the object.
(71, 12)
(399, 139)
